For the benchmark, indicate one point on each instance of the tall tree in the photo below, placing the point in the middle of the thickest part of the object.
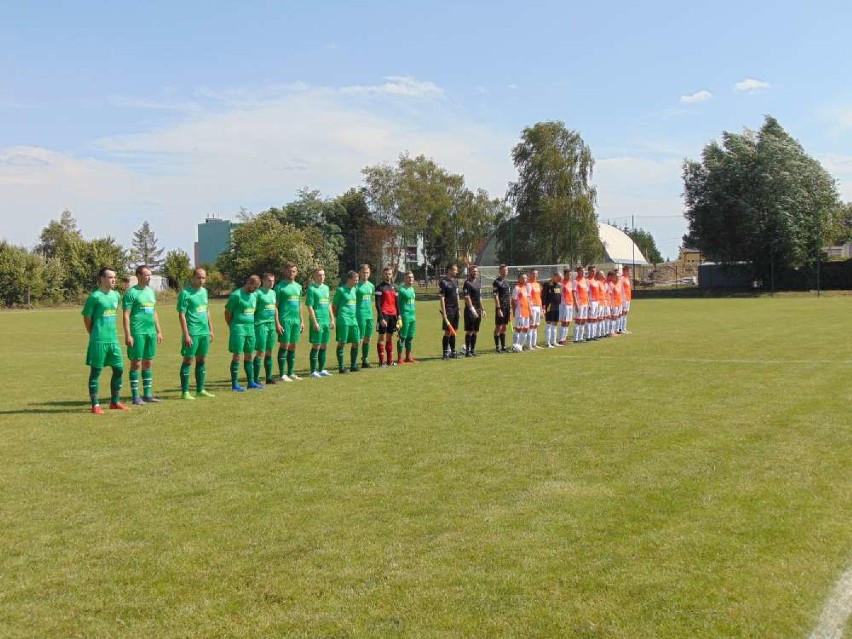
(176, 268)
(758, 197)
(354, 219)
(554, 198)
(645, 243)
(144, 248)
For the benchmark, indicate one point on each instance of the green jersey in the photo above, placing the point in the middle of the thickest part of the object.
(345, 300)
(264, 312)
(241, 305)
(364, 295)
(102, 308)
(289, 297)
(193, 304)
(141, 303)
(317, 299)
(405, 298)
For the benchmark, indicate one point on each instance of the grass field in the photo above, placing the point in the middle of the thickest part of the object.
(692, 479)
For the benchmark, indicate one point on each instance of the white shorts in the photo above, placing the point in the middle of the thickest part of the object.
(594, 310)
(582, 312)
(604, 312)
(625, 306)
(566, 313)
(535, 315)
(522, 322)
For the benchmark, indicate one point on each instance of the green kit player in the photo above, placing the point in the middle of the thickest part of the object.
(99, 317)
(265, 327)
(345, 306)
(317, 301)
(196, 327)
(405, 300)
(142, 334)
(290, 324)
(239, 316)
(365, 293)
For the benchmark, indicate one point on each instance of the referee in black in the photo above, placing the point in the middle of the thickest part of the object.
(449, 292)
(473, 311)
(502, 292)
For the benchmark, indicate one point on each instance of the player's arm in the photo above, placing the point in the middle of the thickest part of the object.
(312, 314)
(184, 328)
(378, 296)
(87, 322)
(157, 326)
(496, 296)
(128, 338)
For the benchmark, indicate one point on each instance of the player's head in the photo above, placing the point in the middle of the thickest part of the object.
(452, 270)
(252, 284)
(472, 272)
(534, 275)
(268, 279)
(365, 272)
(409, 278)
(106, 277)
(580, 272)
(387, 273)
(591, 269)
(319, 276)
(351, 278)
(522, 277)
(555, 277)
(143, 275)
(199, 276)
(626, 271)
(503, 270)
(290, 271)
(600, 276)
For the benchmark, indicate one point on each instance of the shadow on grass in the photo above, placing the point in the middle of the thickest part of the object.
(48, 408)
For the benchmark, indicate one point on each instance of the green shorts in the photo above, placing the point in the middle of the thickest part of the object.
(409, 328)
(241, 341)
(292, 332)
(322, 336)
(347, 334)
(200, 346)
(144, 346)
(366, 326)
(101, 355)
(264, 336)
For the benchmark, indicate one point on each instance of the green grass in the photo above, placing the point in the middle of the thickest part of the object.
(689, 480)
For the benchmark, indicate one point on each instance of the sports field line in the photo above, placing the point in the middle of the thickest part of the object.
(702, 360)
(837, 610)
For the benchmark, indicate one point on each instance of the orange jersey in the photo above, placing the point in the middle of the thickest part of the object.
(581, 290)
(535, 293)
(521, 297)
(626, 291)
(567, 293)
(616, 294)
(595, 290)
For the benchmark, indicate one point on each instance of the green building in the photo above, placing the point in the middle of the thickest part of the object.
(214, 236)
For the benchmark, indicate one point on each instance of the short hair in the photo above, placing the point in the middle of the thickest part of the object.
(351, 274)
(103, 271)
(520, 273)
(290, 265)
(140, 267)
(450, 265)
(198, 269)
(387, 268)
(265, 273)
(365, 265)
(503, 266)
(557, 273)
(253, 279)
(411, 273)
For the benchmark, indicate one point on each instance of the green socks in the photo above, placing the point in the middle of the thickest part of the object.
(115, 384)
(282, 354)
(291, 362)
(267, 366)
(147, 382)
(313, 357)
(255, 369)
(235, 373)
(365, 351)
(94, 374)
(323, 353)
(184, 377)
(133, 376)
(340, 358)
(353, 357)
(200, 376)
(248, 367)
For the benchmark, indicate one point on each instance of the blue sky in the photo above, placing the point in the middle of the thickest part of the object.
(171, 111)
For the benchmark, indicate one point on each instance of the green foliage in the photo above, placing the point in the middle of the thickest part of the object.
(26, 277)
(176, 269)
(758, 197)
(144, 248)
(79, 260)
(216, 283)
(355, 220)
(645, 243)
(839, 225)
(554, 199)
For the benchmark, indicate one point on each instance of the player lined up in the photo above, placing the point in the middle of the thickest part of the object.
(260, 312)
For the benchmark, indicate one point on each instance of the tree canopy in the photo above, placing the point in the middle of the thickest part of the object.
(144, 248)
(759, 198)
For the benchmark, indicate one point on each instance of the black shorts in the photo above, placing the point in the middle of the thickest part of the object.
(551, 315)
(471, 323)
(452, 318)
(390, 327)
(502, 319)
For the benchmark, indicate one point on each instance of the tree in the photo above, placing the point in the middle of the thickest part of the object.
(176, 268)
(645, 243)
(758, 197)
(355, 220)
(839, 226)
(27, 278)
(554, 199)
(145, 250)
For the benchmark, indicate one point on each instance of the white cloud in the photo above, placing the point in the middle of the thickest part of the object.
(840, 167)
(512, 87)
(695, 98)
(252, 148)
(751, 85)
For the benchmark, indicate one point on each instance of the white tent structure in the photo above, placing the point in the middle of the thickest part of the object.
(620, 249)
